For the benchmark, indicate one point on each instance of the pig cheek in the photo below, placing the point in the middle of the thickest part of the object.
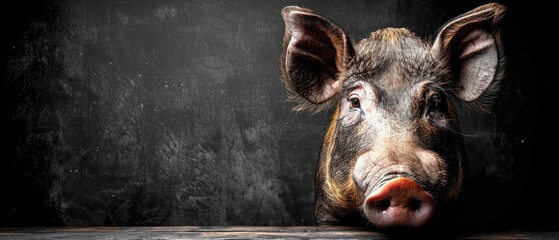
(366, 172)
(434, 167)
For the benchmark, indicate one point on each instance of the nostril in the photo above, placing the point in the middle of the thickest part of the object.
(414, 205)
(383, 205)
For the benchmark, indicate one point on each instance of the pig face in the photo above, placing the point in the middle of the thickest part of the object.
(392, 155)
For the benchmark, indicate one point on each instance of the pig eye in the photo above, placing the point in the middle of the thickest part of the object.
(354, 114)
(355, 103)
(435, 102)
(434, 111)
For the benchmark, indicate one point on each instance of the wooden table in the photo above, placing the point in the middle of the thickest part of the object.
(234, 232)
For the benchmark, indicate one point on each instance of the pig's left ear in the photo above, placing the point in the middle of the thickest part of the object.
(470, 46)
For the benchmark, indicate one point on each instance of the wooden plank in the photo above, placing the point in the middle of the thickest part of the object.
(232, 232)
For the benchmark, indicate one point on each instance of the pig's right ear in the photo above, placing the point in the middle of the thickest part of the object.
(315, 54)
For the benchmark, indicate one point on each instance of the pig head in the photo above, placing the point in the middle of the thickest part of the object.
(393, 154)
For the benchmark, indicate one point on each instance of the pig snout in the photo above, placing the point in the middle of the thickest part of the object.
(400, 202)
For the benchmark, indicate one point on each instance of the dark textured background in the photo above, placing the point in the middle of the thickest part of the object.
(172, 113)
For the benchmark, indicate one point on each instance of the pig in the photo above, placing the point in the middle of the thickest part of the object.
(393, 155)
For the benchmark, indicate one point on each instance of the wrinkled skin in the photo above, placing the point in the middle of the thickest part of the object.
(392, 156)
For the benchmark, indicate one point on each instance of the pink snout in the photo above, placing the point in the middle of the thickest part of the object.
(401, 202)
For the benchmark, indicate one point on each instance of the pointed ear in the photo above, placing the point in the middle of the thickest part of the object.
(315, 54)
(470, 46)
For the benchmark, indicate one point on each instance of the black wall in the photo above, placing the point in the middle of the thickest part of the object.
(172, 113)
